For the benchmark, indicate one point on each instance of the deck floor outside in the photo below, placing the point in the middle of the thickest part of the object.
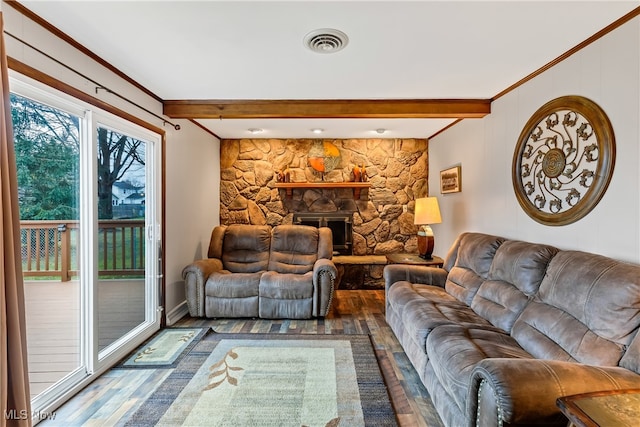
(53, 325)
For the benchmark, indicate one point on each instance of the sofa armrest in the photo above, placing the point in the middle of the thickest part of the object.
(524, 391)
(324, 276)
(415, 274)
(195, 276)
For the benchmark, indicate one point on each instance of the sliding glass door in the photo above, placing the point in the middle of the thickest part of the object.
(89, 193)
(127, 251)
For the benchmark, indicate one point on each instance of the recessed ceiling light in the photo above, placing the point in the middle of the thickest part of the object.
(381, 130)
(317, 130)
(255, 130)
(326, 40)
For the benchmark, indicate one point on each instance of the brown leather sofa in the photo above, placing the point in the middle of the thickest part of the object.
(506, 327)
(284, 272)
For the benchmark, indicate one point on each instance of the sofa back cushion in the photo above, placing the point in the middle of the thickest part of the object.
(473, 261)
(514, 277)
(245, 248)
(294, 248)
(587, 310)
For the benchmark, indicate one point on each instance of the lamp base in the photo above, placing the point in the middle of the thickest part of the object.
(425, 242)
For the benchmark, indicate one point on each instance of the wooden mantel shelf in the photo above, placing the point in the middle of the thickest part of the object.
(356, 186)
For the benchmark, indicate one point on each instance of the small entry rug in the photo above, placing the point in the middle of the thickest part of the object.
(165, 349)
(272, 380)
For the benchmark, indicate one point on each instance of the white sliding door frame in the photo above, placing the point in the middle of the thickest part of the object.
(92, 362)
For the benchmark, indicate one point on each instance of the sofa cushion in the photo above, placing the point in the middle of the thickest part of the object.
(294, 249)
(237, 285)
(550, 333)
(514, 277)
(587, 310)
(232, 294)
(286, 286)
(246, 248)
(424, 307)
(404, 292)
(475, 254)
(286, 296)
(421, 317)
(454, 350)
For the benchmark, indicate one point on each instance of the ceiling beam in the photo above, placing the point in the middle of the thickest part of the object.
(328, 108)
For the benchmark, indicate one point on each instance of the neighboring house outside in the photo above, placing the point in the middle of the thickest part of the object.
(135, 199)
(128, 200)
(126, 193)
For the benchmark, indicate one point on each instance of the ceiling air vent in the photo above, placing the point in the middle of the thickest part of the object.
(326, 40)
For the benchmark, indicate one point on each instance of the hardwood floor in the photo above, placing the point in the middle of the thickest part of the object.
(113, 397)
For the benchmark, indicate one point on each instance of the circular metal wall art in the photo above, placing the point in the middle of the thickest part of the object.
(324, 156)
(564, 160)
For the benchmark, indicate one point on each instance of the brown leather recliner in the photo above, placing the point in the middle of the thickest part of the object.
(284, 272)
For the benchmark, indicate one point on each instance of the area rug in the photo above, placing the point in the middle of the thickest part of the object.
(165, 349)
(272, 380)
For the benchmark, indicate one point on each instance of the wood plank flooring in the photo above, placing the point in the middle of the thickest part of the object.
(114, 396)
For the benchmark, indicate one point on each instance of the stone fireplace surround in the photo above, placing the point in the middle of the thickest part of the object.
(382, 216)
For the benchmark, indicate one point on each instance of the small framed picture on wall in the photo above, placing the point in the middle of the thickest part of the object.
(451, 180)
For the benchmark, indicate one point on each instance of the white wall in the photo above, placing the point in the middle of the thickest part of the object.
(193, 207)
(608, 72)
(192, 155)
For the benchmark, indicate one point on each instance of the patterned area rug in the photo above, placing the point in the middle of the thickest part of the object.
(165, 349)
(272, 380)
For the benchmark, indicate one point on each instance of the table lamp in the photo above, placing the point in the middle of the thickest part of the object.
(427, 212)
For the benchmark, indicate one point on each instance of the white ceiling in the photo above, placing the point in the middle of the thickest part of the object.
(396, 50)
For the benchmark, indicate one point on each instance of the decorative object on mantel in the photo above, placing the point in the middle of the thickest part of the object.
(283, 175)
(324, 157)
(357, 174)
(360, 173)
(451, 180)
(564, 160)
(427, 211)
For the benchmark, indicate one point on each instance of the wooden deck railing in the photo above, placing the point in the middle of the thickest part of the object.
(51, 248)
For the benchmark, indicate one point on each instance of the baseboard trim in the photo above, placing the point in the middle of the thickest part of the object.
(177, 313)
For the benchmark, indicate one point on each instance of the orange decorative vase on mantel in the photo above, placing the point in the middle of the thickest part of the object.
(357, 174)
(360, 173)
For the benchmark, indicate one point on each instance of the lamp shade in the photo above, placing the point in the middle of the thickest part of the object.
(427, 211)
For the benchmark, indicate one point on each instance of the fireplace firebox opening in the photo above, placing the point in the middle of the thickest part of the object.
(340, 223)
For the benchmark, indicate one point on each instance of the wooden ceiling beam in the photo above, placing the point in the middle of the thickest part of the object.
(338, 109)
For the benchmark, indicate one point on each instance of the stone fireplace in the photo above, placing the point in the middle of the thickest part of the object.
(382, 215)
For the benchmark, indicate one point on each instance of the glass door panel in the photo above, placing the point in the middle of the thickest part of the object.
(121, 172)
(47, 143)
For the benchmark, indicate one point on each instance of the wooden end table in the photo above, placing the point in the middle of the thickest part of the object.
(414, 259)
(602, 408)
